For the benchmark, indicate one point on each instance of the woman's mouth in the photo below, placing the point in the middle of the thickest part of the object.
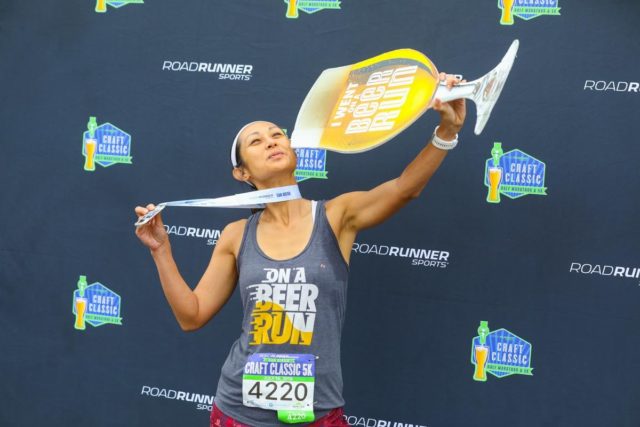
(275, 155)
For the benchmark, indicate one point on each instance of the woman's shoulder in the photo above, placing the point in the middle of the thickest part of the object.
(231, 236)
(235, 227)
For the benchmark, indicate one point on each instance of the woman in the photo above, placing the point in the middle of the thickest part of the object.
(290, 262)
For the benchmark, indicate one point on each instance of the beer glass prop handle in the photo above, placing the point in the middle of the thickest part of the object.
(485, 91)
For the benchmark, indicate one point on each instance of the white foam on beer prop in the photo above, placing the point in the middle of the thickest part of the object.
(340, 92)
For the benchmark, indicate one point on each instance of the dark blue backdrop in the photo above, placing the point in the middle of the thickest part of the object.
(545, 268)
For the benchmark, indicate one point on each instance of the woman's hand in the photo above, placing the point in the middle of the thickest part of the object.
(153, 234)
(452, 113)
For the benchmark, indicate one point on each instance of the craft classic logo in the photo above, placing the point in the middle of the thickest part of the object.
(105, 145)
(526, 9)
(95, 304)
(309, 6)
(513, 174)
(499, 353)
(101, 5)
(312, 163)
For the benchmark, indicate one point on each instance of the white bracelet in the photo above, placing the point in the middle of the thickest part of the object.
(441, 143)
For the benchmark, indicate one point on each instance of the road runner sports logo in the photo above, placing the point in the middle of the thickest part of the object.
(605, 270)
(203, 402)
(309, 6)
(353, 420)
(613, 86)
(211, 235)
(526, 9)
(242, 72)
(500, 353)
(419, 257)
(101, 5)
(95, 304)
(105, 145)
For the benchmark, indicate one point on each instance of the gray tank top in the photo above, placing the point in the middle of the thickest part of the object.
(301, 310)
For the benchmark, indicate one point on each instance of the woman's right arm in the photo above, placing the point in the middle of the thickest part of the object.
(193, 308)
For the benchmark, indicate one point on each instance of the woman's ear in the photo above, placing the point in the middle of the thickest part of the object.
(241, 174)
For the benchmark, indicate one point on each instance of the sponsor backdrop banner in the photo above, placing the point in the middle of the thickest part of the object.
(526, 238)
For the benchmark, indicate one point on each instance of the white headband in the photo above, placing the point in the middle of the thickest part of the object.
(234, 160)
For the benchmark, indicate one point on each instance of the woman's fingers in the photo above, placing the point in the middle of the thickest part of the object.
(449, 80)
(140, 211)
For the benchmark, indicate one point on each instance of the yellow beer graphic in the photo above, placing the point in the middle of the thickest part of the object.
(495, 175)
(101, 6)
(481, 352)
(90, 148)
(359, 107)
(355, 108)
(507, 12)
(81, 308)
(292, 9)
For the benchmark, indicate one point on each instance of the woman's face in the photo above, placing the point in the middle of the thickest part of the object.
(265, 150)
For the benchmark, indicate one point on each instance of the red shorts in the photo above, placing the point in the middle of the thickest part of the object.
(334, 418)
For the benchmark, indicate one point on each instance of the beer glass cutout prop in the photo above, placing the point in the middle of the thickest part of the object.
(358, 107)
(80, 303)
(292, 9)
(481, 353)
(90, 145)
(495, 174)
(101, 6)
(507, 12)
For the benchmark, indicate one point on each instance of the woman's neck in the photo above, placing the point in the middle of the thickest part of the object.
(284, 213)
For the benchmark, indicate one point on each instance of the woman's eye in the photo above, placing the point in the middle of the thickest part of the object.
(254, 141)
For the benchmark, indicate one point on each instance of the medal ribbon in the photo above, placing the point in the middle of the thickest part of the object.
(250, 200)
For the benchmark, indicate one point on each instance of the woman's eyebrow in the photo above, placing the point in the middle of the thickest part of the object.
(256, 132)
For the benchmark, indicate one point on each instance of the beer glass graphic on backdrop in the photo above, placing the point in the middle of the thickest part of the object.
(90, 145)
(495, 174)
(292, 9)
(481, 353)
(507, 12)
(80, 304)
(101, 6)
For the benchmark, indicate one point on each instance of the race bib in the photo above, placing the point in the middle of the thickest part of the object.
(282, 383)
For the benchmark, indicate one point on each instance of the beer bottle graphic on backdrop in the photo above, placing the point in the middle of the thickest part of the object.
(507, 12)
(481, 352)
(90, 145)
(101, 6)
(80, 304)
(292, 9)
(495, 173)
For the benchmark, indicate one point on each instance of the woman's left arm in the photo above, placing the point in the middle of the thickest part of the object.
(364, 209)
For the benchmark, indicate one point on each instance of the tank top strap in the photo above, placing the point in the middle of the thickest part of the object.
(248, 234)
